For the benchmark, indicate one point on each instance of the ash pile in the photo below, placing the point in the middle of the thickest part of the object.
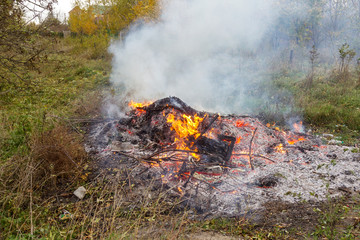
(221, 165)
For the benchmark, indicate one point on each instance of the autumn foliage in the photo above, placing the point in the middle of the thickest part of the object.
(82, 21)
(111, 16)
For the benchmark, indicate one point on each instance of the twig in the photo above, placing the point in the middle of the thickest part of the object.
(96, 120)
(190, 176)
(31, 199)
(170, 150)
(212, 185)
(70, 123)
(59, 149)
(206, 129)
(254, 155)
(128, 177)
(251, 141)
(143, 159)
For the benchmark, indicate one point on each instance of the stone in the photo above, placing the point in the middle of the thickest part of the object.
(80, 192)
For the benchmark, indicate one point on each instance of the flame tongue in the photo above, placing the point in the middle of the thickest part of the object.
(294, 140)
(186, 130)
(135, 105)
(185, 127)
(138, 107)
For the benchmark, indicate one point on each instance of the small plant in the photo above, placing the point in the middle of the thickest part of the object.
(355, 150)
(358, 73)
(346, 55)
(313, 59)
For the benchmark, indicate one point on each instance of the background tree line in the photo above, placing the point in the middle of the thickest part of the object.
(323, 24)
(110, 16)
(306, 33)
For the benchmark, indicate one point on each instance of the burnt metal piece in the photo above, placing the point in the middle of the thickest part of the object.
(212, 147)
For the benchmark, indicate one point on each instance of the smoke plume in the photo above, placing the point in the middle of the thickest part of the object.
(200, 51)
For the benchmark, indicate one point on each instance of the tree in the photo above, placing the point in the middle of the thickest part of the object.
(121, 13)
(111, 15)
(82, 20)
(148, 10)
(313, 58)
(346, 55)
(17, 48)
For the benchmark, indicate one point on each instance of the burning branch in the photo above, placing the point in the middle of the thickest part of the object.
(207, 128)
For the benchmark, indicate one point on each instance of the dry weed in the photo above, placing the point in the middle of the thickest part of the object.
(57, 154)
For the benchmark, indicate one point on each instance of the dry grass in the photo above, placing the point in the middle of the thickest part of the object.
(58, 154)
(54, 160)
(111, 209)
(89, 106)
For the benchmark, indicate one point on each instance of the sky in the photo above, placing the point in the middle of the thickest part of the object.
(63, 7)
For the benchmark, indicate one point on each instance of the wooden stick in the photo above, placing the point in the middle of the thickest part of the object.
(31, 198)
(206, 129)
(190, 176)
(171, 150)
(251, 141)
(254, 155)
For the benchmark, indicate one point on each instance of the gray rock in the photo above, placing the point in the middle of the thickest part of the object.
(328, 136)
(80, 192)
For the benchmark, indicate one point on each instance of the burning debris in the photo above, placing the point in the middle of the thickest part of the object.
(222, 165)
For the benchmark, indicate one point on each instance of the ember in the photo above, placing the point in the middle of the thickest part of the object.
(193, 146)
(138, 107)
(204, 157)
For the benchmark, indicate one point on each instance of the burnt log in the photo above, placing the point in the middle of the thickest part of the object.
(166, 103)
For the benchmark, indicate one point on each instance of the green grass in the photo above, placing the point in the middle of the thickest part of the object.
(32, 119)
(329, 105)
(70, 84)
(62, 81)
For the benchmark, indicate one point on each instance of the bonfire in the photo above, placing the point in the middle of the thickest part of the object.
(221, 165)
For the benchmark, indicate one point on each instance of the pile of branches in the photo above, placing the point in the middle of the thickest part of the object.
(212, 153)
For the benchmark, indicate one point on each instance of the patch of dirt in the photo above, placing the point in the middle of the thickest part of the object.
(286, 215)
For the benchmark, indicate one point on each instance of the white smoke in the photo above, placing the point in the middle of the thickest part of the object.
(199, 51)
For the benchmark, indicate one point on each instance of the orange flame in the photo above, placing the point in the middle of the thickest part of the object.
(135, 105)
(240, 123)
(138, 107)
(293, 141)
(270, 124)
(298, 127)
(185, 127)
(188, 126)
